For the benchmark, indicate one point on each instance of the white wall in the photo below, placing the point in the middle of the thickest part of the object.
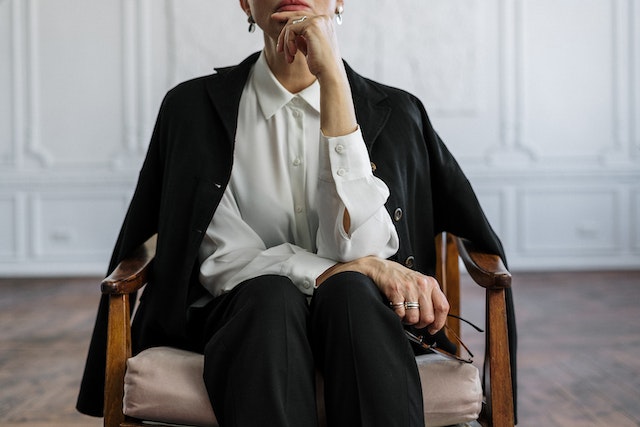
(538, 99)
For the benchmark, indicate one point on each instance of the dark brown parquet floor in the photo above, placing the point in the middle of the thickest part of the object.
(579, 348)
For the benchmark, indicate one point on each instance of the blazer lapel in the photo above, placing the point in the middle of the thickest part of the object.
(372, 110)
(225, 90)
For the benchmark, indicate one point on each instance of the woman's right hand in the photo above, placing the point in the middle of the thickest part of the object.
(312, 35)
(401, 285)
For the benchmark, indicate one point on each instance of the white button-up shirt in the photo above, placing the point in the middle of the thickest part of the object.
(282, 212)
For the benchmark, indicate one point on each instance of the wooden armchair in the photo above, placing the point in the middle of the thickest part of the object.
(486, 270)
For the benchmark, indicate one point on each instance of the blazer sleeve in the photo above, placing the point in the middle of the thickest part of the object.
(456, 206)
(457, 210)
(140, 223)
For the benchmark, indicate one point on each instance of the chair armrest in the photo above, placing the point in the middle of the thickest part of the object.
(132, 272)
(129, 275)
(487, 270)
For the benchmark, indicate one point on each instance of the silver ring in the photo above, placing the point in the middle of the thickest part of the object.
(297, 21)
(411, 305)
(395, 305)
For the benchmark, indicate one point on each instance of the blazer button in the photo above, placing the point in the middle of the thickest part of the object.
(409, 262)
(397, 215)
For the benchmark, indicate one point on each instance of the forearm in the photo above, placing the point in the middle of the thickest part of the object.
(366, 265)
(337, 113)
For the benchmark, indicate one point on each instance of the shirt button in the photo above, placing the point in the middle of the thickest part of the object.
(341, 172)
(296, 114)
(299, 209)
(339, 148)
(306, 284)
(397, 215)
(409, 262)
(297, 161)
(373, 167)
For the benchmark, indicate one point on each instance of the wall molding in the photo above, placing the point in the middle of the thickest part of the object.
(621, 150)
(137, 77)
(18, 94)
(34, 146)
(10, 223)
(634, 81)
(136, 90)
(7, 152)
(511, 150)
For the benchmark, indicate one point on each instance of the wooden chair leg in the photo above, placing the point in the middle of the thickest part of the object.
(499, 390)
(118, 351)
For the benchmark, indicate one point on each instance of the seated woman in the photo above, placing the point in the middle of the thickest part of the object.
(296, 205)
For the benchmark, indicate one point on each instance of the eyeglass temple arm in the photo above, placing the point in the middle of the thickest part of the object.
(477, 328)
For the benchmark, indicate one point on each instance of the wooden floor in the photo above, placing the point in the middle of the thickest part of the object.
(579, 348)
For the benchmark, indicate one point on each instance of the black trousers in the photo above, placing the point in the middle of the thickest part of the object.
(263, 342)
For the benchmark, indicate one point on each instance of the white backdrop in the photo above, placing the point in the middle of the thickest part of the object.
(538, 99)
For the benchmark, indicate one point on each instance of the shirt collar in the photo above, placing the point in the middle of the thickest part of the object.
(272, 96)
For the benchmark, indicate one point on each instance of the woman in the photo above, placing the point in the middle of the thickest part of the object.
(259, 183)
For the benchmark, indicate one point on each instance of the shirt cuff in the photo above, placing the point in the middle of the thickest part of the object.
(304, 268)
(344, 157)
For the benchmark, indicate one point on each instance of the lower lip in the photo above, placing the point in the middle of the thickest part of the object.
(292, 8)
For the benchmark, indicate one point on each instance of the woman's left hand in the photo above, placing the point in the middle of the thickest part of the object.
(426, 305)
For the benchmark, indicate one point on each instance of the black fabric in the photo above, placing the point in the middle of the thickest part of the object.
(261, 339)
(187, 168)
(258, 365)
(369, 369)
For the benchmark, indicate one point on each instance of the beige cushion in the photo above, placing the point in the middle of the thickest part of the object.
(165, 384)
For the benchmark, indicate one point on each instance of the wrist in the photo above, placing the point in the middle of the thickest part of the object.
(337, 112)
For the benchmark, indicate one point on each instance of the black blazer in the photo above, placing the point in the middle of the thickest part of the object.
(188, 165)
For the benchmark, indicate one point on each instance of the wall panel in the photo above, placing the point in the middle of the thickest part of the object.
(569, 221)
(634, 80)
(8, 227)
(75, 81)
(568, 75)
(444, 53)
(494, 204)
(6, 82)
(80, 226)
(539, 100)
(635, 221)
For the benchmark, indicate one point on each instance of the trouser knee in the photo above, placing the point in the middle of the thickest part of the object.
(348, 289)
(272, 298)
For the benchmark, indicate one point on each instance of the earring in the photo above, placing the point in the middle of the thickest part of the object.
(339, 11)
(252, 24)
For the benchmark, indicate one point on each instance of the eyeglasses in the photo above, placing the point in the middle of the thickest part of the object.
(420, 340)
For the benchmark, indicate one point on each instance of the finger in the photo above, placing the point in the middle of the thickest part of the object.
(291, 50)
(282, 44)
(428, 287)
(293, 33)
(426, 312)
(301, 44)
(440, 310)
(412, 310)
(412, 300)
(396, 302)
